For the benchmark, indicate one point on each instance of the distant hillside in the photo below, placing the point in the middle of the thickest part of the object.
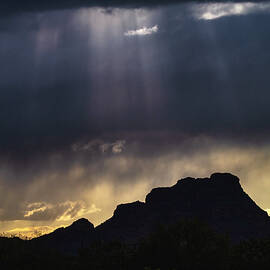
(218, 201)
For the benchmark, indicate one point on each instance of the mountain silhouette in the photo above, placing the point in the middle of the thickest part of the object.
(219, 201)
(68, 240)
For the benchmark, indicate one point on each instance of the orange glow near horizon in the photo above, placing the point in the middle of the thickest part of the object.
(84, 190)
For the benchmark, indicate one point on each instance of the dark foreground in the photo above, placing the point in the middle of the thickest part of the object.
(189, 244)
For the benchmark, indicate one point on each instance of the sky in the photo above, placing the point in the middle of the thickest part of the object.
(99, 104)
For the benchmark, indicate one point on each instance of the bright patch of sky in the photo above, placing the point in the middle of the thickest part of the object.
(219, 10)
(142, 31)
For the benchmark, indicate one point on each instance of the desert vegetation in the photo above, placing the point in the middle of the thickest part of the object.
(187, 245)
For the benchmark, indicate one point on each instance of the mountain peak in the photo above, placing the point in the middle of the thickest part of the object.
(218, 200)
(128, 208)
(215, 178)
(225, 178)
(81, 224)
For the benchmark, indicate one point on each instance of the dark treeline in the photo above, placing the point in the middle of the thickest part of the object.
(187, 245)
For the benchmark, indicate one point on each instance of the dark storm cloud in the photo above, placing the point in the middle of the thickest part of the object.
(17, 6)
(62, 82)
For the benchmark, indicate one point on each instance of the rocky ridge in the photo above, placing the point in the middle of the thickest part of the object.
(218, 200)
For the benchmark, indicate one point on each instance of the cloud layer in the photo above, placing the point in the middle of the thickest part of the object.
(8, 7)
(219, 10)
